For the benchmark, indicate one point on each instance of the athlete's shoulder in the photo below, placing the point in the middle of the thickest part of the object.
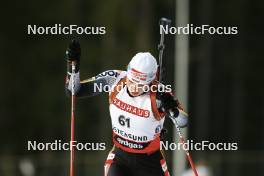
(109, 73)
(111, 77)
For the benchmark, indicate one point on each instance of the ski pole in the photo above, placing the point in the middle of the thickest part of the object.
(161, 47)
(183, 143)
(73, 98)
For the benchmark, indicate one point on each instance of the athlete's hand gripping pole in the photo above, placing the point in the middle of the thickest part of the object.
(166, 22)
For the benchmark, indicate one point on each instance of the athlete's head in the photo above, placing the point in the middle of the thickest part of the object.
(141, 71)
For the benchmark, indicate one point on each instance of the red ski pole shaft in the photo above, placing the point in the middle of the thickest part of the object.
(183, 143)
(187, 152)
(72, 122)
(72, 136)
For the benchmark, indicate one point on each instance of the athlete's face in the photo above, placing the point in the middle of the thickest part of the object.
(134, 88)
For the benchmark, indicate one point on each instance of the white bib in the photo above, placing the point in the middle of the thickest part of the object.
(133, 122)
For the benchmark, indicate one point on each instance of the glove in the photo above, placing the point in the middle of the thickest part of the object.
(73, 54)
(168, 103)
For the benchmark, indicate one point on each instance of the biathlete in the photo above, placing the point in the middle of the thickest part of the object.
(138, 105)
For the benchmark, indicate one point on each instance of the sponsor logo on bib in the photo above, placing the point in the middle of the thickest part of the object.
(131, 109)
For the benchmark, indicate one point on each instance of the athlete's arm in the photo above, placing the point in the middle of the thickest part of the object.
(92, 86)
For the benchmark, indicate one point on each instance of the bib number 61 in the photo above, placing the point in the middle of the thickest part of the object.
(124, 121)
